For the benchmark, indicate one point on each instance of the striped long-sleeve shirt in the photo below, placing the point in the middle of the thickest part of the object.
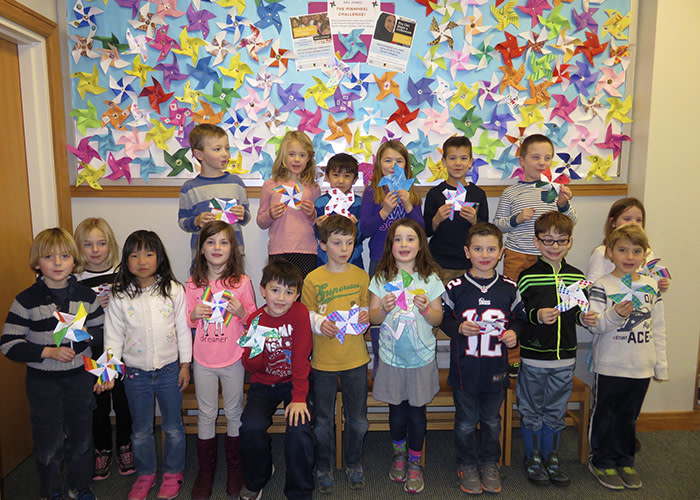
(513, 200)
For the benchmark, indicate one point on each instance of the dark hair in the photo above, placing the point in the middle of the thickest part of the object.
(125, 282)
(556, 220)
(283, 272)
(336, 223)
(628, 232)
(484, 229)
(456, 142)
(618, 208)
(425, 264)
(533, 139)
(343, 162)
(204, 131)
(231, 274)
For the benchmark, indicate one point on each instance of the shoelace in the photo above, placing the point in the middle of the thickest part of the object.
(399, 462)
(414, 472)
(126, 457)
(102, 461)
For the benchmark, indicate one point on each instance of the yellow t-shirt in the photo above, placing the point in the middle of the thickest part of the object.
(325, 292)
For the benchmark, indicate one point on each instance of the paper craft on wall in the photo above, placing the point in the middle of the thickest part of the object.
(143, 74)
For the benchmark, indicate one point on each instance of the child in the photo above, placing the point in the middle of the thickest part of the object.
(338, 286)
(99, 256)
(210, 147)
(478, 362)
(380, 208)
(291, 232)
(146, 327)
(59, 389)
(518, 208)
(457, 158)
(629, 348)
(279, 374)
(341, 173)
(623, 211)
(407, 374)
(548, 349)
(218, 268)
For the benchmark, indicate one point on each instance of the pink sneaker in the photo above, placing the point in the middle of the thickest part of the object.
(141, 487)
(171, 486)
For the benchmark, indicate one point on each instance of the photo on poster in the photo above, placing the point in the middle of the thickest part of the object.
(391, 42)
(311, 39)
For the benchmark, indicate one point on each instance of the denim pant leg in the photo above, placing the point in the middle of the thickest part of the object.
(466, 419)
(299, 459)
(324, 393)
(256, 452)
(77, 425)
(354, 386)
(169, 397)
(139, 389)
(490, 426)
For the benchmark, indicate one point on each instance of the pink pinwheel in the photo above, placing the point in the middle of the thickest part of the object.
(348, 322)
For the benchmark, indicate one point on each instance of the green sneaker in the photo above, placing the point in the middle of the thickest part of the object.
(607, 477)
(630, 477)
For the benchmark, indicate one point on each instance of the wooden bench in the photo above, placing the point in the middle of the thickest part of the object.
(577, 417)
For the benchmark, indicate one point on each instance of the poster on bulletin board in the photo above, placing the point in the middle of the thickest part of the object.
(350, 74)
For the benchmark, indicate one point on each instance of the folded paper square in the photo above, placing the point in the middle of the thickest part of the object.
(106, 367)
(340, 202)
(348, 323)
(635, 292)
(70, 326)
(456, 199)
(572, 295)
(221, 209)
(291, 195)
(256, 336)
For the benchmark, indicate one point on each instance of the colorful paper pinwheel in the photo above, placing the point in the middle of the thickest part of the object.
(256, 336)
(456, 199)
(348, 323)
(572, 295)
(550, 187)
(488, 326)
(222, 209)
(106, 367)
(632, 291)
(340, 202)
(218, 302)
(70, 326)
(404, 290)
(655, 270)
(291, 195)
(396, 181)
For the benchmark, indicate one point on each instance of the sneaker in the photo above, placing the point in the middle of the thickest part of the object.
(126, 460)
(397, 473)
(607, 477)
(535, 470)
(414, 478)
(325, 480)
(630, 477)
(141, 487)
(469, 481)
(356, 477)
(170, 487)
(246, 494)
(556, 474)
(103, 463)
(514, 370)
(490, 478)
(55, 496)
(81, 494)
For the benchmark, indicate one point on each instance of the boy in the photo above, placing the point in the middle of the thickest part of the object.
(338, 286)
(341, 173)
(629, 348)
(457, 158)
(547, 348)
(519, 207)
(59, 389)
(478, 363)
(210, 147)
(279, 374)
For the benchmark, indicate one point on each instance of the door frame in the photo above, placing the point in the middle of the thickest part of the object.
(38, 50)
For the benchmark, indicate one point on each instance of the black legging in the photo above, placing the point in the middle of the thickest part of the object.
(404, 420)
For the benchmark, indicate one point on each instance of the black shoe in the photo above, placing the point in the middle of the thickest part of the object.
(535, 470)
(556, 475)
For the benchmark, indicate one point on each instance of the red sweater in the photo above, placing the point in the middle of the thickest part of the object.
(285, 359)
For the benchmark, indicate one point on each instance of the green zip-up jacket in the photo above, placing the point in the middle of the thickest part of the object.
(538, 289)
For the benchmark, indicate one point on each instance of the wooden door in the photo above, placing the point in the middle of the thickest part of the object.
(15, 275)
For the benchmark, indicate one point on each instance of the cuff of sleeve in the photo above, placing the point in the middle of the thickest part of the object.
(514, 221)
(565, 208)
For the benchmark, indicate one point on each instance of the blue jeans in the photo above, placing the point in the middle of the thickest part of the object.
(542, 395)
(141, 386)
(477, 446)
(256, 448)
(354, 387)
(60, 410)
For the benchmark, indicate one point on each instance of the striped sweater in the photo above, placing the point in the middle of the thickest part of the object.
(30, 324)
(513, 200)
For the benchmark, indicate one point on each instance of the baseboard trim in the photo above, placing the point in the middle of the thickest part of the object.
(669, 421)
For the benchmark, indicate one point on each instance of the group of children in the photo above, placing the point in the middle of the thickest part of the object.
(297, 352)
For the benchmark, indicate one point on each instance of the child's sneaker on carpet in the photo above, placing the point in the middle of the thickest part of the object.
(126, 460)
(103, 464)
(490, 478)
(325, 480)
(414, 478)
(170, 487)
(81, 494)
(630, 477)
(141, 487)
(607, 477)
(469, 481)
(356, 477)
(397, 473)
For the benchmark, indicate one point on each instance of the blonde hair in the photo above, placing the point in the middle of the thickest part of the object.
(83, 230)
(380, 194)
(52, 240)
(630, 233)
(279, 169)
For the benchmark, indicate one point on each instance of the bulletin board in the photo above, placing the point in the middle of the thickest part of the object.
(143, 73)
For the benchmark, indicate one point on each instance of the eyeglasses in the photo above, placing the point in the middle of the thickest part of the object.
(548, 243)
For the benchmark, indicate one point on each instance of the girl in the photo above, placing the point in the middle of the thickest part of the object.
(623, 211)
(380, 207)
(146, 327)
(217, 269)
(407, 374)
(99, 256)
(292, 236)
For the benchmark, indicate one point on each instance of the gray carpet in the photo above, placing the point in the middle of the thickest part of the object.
(669, 464)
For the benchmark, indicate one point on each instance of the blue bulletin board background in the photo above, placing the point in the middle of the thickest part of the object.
(144, 72)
